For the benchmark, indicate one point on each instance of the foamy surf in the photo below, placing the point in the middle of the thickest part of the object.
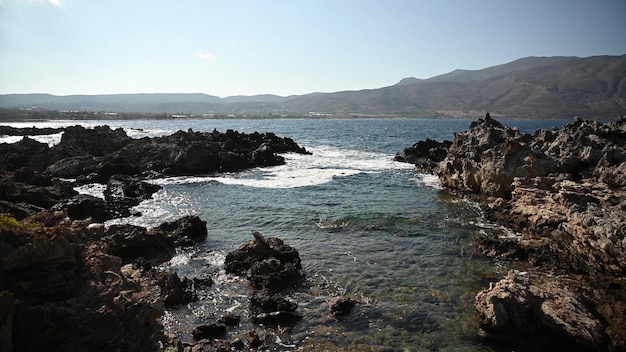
(50, 139)
(300, 170)
(428, 180)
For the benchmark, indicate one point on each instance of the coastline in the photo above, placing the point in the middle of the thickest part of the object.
(563, 191)
(67, 282)
(359, 309)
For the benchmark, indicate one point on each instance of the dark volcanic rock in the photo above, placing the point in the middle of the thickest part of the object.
(546, 313)
(156, 245)
(272, 308)
(28, 131)
(85, 206)
(72, 167)
(131, 242)
(30, 191)
(186, 153)
(124, 192)
(185, 231)
(62, 295)
(175, 290)
(97, 141)
(424, 154)
(25, 153)
(209, 331)
(266, 263)
(60, 292)
(101, 152)
(342, 306)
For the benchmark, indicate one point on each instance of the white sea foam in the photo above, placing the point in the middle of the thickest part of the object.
(49, 139)
(428, 181)
(92, 189)
(303, 170)
(10, 139)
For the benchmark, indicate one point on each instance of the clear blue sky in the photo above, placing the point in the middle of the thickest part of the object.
(283, 47)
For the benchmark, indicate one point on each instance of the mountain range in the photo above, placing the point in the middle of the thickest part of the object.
(531, 87)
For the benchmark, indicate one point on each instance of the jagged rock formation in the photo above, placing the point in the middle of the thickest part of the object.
(61, 291)
(563, 191)
(270, 266)
(68, 284)
(30, 170)
(266, 263)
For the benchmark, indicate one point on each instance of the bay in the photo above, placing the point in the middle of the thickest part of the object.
(365, 226)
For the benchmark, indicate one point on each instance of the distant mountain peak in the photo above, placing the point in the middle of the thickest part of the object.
(408, 81)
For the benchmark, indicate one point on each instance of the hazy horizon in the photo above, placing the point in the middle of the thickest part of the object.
(72, 47)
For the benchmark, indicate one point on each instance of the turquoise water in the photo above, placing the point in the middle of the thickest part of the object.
(365, 226)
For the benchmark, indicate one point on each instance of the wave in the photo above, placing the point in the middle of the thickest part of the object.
(50, 139)
(325, 164)
(428, 180)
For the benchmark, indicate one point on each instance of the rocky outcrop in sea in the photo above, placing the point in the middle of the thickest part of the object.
(67, 283)
(562, 191)
(32, 173)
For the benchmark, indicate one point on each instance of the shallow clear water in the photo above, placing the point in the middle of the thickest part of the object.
(365, 226)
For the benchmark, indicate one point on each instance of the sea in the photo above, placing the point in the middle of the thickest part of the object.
(366, 227)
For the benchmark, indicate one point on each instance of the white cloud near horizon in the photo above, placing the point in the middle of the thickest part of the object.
(207, 56)
(52, 2)
(58, 3)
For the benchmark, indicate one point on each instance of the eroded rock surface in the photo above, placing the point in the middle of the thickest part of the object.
(543, 312)
(563, 192)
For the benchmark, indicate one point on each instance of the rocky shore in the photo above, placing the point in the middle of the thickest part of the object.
(562, 192)
(67, 283)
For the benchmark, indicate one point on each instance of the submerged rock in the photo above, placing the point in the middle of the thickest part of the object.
(272, 308)
(209, 331)
(342, 306)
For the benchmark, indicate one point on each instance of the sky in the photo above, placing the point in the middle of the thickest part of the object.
(283, 47)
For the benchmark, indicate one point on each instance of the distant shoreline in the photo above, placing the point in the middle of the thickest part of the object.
(20, 115)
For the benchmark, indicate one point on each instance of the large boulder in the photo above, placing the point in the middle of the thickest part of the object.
(186, 231)
(84, 206)
(97, 141)
(542, 312)
(24, 153)
(130, 242)
(266, 263)
(156, 245)
(424, 154)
